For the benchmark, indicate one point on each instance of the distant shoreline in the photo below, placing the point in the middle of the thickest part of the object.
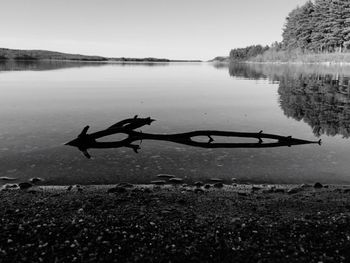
(136, 61)
(45, 55)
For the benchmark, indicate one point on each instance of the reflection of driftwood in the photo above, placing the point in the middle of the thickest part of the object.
(86, 141)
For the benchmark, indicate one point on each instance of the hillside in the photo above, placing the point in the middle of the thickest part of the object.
(17, 54)
(30, 55)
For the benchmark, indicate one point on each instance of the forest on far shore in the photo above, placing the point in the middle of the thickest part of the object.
(318, 31)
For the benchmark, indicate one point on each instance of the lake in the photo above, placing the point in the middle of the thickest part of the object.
(46, 104)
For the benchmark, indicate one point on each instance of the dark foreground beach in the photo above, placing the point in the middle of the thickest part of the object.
(238, 223)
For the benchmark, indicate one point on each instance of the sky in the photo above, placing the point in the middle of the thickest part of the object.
(176, 29)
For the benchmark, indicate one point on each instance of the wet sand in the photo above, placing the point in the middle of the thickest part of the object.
(239, 223)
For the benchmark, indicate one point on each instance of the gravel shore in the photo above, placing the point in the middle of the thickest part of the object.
(240, 223)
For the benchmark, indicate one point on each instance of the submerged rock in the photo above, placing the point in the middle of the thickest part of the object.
(207, 186)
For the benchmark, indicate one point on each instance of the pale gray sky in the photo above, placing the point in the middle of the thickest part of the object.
(177, 29)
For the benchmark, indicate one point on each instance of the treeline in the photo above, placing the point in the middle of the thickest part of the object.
(318, 31)
(319, 26)
(239, 54)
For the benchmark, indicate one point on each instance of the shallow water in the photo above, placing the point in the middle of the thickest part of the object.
(44, 105)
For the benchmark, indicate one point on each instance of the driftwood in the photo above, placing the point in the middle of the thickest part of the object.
(86, 141)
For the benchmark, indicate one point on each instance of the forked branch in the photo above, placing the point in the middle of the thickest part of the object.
(86, 141)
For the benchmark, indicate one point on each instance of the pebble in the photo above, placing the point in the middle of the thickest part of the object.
(176, 180)
(25, 185)
(198, 184)
(294, 190)
(117, 189)
(318, 185)
(219, 185)
(158, 182)
(36, 180)
(6, 178)
(165, 176)
(218, 180)
(198, 191)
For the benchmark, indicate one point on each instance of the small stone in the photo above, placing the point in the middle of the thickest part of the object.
(217, 180)
(198, 184)
(198, 191)
(166, 176)
(158, 182)
(219, 185)
(9, 186)
(6, 178)
(176, 180)
(318, 185)
(305, 186)
(25, 185)
(117, 189)
(36, 180)
(294, 190)
(125, 184)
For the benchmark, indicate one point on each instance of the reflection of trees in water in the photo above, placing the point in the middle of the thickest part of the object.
(318, 95)
(242, 70)
(37, 65)
(323, 102)
(18, 65)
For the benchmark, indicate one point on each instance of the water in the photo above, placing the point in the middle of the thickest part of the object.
(43, 105)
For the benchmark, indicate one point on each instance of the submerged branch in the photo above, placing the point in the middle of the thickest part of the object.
(128, 126)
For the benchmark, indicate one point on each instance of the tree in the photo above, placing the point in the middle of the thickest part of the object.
(305, 26)
(290, 30)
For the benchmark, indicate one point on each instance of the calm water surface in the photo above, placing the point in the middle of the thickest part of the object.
(44, 105)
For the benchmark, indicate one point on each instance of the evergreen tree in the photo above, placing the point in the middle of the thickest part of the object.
(290, 30)
(322, 24)
(337, 23)
(345, 31)
(305, 26)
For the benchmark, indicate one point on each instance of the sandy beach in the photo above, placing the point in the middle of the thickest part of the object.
(235, 223)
